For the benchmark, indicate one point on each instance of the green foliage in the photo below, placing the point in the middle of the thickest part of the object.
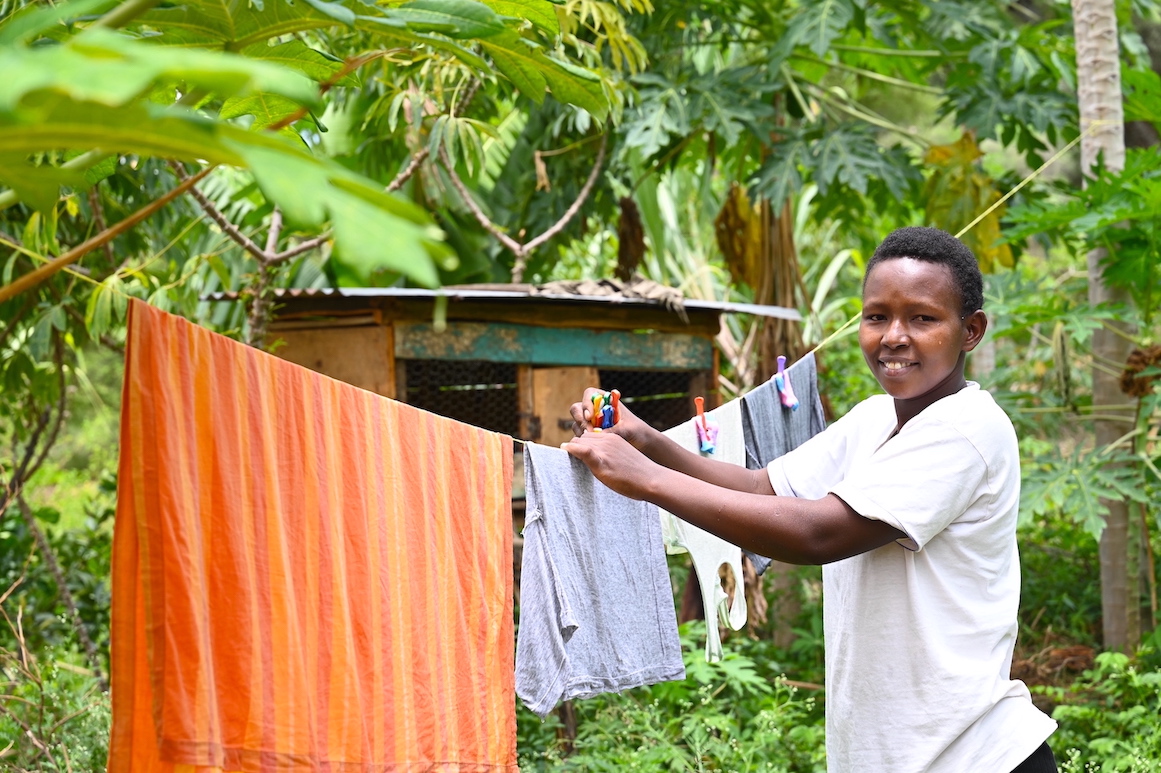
(1079, 484)
(53, 714)
(832, 103)
(1009, 89)
(1054, 607)
(1120, 212)
(85, 553)
(847, 164)
(1108, 718)
(736, 715)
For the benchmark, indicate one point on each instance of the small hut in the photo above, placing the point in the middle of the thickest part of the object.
(509, 358)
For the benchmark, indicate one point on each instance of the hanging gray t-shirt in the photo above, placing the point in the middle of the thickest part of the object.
(771, 429)
(596, 607)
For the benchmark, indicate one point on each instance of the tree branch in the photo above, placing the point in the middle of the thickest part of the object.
(13, 485)
(474, 208)
(259, 307)
(35, 277)
(99, 221)
(273, 234)
(522, 251)
(298, 249)
(408, 171)
(570, 213)
(31, 461)
(216, 215)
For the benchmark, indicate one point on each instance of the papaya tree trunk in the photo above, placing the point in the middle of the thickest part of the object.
(1102, 118)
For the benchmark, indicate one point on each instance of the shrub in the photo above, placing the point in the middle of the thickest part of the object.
(1109, 719)
(736, 715)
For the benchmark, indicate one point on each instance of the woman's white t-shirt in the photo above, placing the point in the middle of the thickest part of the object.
(919, 633)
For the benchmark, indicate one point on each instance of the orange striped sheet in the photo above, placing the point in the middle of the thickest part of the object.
(306, 576)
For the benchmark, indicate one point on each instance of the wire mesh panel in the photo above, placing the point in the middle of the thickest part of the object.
(471, 391)
(660, 398)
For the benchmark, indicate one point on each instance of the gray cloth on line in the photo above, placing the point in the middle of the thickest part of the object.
(596, 607)
(771, 429)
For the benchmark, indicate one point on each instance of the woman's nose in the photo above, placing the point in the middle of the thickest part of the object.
(897, 333)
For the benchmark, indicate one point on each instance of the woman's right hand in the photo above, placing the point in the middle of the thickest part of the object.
(628, 425)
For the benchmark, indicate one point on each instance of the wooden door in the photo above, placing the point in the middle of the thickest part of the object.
(545, 397)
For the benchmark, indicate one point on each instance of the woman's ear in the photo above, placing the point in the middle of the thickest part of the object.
(974, 326)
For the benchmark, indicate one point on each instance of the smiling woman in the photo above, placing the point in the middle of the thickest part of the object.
(910, 502)
(920, 319)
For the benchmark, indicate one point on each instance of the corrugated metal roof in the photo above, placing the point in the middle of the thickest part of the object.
(454, 293)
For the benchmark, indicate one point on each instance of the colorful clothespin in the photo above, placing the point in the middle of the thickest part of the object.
(785, 390)
(707, 431)
(597, 417)
(606, 410)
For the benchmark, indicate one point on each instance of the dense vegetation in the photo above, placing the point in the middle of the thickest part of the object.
(520, 140)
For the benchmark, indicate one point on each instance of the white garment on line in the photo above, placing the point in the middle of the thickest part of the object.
(708, 551)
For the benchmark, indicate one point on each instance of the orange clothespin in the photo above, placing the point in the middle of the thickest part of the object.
(616, 398)
(699, 401)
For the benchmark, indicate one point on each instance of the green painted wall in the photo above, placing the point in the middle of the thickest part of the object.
(500, 342)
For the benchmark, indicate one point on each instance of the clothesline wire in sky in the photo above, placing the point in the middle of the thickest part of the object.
(995, 205)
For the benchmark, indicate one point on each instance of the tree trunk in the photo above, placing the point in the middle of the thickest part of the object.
(1100, 101)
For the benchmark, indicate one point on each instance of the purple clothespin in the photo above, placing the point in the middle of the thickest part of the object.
(785, 390)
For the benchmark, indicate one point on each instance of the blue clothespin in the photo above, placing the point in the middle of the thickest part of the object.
(606, 417)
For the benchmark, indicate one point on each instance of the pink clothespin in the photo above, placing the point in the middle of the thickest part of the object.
(785, 390)
(707, 431)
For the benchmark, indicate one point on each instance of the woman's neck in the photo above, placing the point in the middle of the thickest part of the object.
(906, 410)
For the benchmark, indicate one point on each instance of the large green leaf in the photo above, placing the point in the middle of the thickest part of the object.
(267, 109)
(50, 121)
(454, 18)
(109, 68)
(237, 26)
(534, 73)
(394, 30)
(660, 116)
(540, 12)
(1142, 96)
(819, 23)
(232, 24)
(299, 56)
(372, 229)
(33, 21)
